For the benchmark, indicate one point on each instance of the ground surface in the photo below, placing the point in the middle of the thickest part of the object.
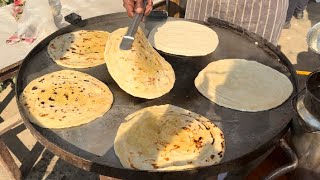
(293, 41)
(47, 166)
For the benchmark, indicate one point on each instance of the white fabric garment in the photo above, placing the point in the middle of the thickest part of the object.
(263, 17)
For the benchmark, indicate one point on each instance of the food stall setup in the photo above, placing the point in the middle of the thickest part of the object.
(147, 114)
(163, 97)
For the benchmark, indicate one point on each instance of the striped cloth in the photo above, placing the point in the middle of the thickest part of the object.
(263, 17)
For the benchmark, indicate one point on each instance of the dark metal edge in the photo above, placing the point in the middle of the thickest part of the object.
(9, 71)
(292, 165)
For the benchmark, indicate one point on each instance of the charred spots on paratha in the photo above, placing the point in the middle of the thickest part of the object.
(131, 165)
(46, 100)
(198, 143)
(155, 166)
(43, 115)
(176, 147)
(79, 49)
(41, 80)
(191, 140)
(66, 96)
(213, 139)
(64, 58)
(185, 128)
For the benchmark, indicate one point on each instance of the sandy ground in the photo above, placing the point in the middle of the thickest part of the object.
(293, 41)
(27, 151)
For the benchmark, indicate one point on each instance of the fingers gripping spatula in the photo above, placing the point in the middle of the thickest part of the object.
(128, 38)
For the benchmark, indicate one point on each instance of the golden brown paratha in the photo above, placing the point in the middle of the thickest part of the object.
(65, 98)
(80, 49)
(168, 137)
(140, 71)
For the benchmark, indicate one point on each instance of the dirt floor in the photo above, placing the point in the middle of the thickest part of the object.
(293, 41)
(27, 151)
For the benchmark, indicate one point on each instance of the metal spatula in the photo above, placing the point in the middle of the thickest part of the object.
(128, 39)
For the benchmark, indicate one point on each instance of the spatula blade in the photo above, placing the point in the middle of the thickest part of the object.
(126, 42)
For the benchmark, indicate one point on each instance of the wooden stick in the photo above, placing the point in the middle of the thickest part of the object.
(8, 162)
(10, 123)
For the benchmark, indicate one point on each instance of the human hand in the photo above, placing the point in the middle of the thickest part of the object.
(136, 6)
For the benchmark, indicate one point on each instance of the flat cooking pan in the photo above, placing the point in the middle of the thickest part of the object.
(90, 146)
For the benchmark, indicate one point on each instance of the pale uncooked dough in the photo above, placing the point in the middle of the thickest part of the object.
(243, 85)
(184, 38)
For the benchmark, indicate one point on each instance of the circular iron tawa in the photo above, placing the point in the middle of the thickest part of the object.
(90, 146)
(310, 122)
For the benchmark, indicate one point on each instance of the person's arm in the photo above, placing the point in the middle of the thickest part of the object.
(133, 6)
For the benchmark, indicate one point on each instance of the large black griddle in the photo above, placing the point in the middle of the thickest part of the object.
(90, 146)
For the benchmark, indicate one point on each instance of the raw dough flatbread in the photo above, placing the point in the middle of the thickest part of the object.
(65, 98)
(80, 49)
(140, 71)
(168, 137)
(243, 85)
(184, 38)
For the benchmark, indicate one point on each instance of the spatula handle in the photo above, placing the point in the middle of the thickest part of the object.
(136, 21)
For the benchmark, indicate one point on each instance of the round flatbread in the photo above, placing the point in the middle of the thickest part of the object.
(80, 49)
(140, 71)
(243, 85)
(184, 38)
(167, 137)
(65, 98)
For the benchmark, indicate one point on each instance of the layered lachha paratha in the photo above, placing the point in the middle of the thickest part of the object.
(243, 85)
(65, 98)
(168, 137)
(80, 49)
(140, 71)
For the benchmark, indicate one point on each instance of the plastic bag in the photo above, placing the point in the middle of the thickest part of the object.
(36, 21)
